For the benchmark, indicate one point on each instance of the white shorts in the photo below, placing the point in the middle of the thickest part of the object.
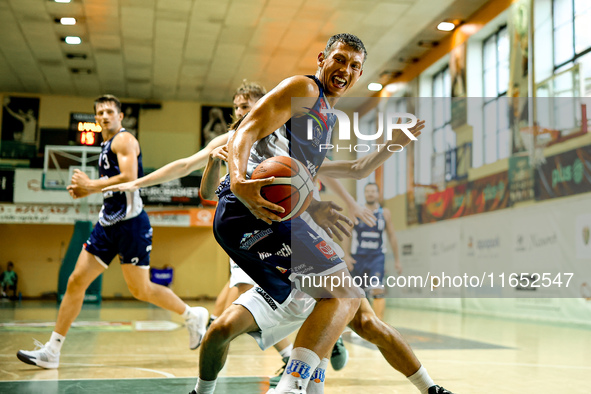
(238, 276)
(276, 321)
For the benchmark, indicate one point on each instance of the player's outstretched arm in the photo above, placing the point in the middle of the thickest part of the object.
(127, 149)
(268, 114)
(363, 167)
(356, 211)
(174, 170)
(210, 179)
(392, 239)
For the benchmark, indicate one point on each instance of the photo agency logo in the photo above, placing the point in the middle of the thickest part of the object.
(392, 122)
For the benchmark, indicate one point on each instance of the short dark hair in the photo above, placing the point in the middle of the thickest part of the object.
(250, 90)
(347, 39)
(236, 123)
(107, 98)
(371, 184)
(10, 264)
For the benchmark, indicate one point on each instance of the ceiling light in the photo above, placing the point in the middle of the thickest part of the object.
(446, 26)
(68, 21)
(374, 87)
(73, 40)
(62, 1)
(394, 87)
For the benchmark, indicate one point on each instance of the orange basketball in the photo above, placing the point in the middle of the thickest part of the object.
(292, 187)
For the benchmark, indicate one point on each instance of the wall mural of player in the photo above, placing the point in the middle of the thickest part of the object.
(131, 118)
(214, 122)
(20, 120)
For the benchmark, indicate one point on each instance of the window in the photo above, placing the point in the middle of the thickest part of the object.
(558, 103)
(367, 125)
(572, 36)
(395, 167)
(443, 137)
(572, 41)
(495, 62)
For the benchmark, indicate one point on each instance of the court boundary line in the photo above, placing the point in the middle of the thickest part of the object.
(87, 379)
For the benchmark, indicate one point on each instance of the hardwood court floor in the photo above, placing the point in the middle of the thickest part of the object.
(113, 351)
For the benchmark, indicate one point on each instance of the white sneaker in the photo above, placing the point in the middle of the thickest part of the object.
(42, 356)
(297, 390)
(196, 324)
(292, 391)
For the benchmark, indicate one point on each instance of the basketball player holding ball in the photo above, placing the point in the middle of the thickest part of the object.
(278, 254)
(244, 99)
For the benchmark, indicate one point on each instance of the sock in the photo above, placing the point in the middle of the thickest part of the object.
(316, 385)
(187, 313)
(299, 369)
(286, 352)
(55, 342)
(205, 386)
(421, 380)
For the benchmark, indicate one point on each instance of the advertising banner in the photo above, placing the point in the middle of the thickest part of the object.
(521, 179)
(178, 192)
(564, 174)
(483, 195)
(46, 214)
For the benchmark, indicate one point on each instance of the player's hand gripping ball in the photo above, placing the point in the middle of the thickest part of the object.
(291, 188)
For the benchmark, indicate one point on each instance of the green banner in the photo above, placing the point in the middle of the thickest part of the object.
(564, 174)
(521, 179)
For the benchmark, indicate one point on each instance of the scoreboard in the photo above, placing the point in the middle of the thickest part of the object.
(85, 129)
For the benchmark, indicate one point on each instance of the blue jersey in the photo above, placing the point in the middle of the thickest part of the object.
(117, 206)
(291, 139)
(370, 240)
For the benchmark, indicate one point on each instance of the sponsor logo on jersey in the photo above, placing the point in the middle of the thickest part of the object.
(298, 369)
(314, 237)
(325, 249)
(281, 269)
(266, 297)
(285, 251)
(249, 239)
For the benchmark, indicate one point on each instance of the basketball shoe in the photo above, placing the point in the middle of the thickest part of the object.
(196, 324)
(297, 390)
(438, 390)
(339, 356)
(42, 356)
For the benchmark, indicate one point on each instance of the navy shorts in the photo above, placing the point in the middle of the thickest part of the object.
(369, 265)
(130, 239)
(275, 256)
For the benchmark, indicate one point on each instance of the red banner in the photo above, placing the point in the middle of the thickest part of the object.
(483, 195)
